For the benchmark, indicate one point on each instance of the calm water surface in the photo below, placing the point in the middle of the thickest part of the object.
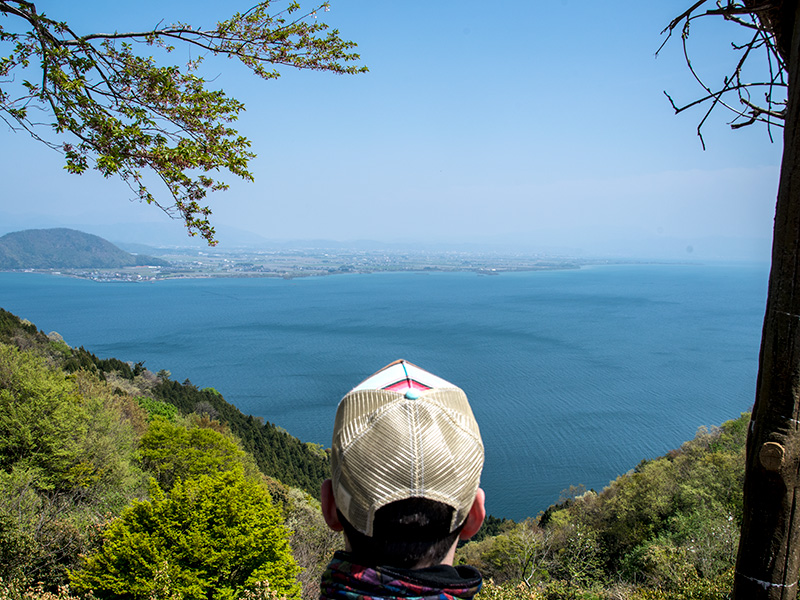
(574, 376)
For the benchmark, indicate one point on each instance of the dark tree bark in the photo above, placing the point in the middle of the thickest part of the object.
(768, 563)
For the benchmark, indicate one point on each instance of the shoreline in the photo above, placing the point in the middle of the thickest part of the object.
(295, 265)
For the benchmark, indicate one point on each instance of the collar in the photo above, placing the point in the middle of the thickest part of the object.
(344, 579)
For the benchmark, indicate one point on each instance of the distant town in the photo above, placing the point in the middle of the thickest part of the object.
(288, 264)
(72, 253)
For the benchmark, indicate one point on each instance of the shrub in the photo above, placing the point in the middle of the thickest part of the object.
(507, 591)
(210, 537)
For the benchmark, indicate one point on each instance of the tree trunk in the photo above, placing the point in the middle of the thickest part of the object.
(769, 555)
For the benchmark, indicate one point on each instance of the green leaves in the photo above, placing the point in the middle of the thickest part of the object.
(66, 445)
(174, 452)
(668, 529)
(41, 421)
(208, 537)
(124, 114)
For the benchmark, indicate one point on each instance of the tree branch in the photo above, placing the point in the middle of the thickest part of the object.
(761, 40)
(128, 113)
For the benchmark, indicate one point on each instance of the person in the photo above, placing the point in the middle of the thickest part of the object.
(406, 462)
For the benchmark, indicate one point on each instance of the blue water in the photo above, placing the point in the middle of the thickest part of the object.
(574, 376)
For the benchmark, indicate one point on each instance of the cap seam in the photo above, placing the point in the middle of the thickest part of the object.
(378, 414)
(362, 411)
(419, 463)
(475, 435)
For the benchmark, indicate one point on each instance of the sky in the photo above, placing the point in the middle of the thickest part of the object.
(533, 125)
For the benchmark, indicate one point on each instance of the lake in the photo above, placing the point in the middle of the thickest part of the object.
(574, 376)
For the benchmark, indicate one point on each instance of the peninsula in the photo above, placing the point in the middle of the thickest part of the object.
(76, 254)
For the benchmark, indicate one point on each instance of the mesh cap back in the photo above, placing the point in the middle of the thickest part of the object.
(406, 439)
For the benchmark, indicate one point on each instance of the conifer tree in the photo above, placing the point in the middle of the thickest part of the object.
(212, 536)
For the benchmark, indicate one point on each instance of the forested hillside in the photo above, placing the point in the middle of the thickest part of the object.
(122, 483)
(62, 248)
(277, 453)
(95, 462)
(668, 530)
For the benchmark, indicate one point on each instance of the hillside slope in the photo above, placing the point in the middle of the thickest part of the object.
(277, 453)
(86, 442)
(64, 249)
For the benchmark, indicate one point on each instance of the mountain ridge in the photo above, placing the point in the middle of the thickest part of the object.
(62, 248)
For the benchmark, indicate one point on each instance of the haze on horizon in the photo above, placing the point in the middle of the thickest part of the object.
(539, 126)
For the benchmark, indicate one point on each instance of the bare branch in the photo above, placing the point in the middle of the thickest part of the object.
(756, 112)
(685, 15)
(710, 96)
(748, 112)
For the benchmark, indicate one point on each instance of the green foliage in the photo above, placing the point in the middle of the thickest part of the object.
(568, 590)
(507, 591)
(17, 542)
(64, 248)
(172, 452)
(11, 326)
(66, 446)
(668, 529)
(492, 526)
(208, 537)
(277, 454)
(82, 359)
(521, 553)
(689, 495)
(66, 468)
(659, 564)
(157, 408)
(578, 558)
(261, 590)
(693, 588)
(553, 590)
(120, 112)
(313, 542)
(17, 591)
(41, 422)
(60, 347)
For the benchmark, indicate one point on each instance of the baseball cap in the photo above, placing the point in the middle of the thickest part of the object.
(404, 433)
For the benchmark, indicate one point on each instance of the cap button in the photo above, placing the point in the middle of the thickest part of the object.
(412, 394)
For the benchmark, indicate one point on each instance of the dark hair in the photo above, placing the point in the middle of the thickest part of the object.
(405, 534)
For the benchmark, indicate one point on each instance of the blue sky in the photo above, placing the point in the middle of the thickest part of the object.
(538, 125)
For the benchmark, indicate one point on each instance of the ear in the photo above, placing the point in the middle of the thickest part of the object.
(329, 506)
(475, 517)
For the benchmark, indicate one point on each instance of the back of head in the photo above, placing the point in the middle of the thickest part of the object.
(406, 462)
(407, 533)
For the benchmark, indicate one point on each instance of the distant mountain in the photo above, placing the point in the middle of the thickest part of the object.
(64, 249)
